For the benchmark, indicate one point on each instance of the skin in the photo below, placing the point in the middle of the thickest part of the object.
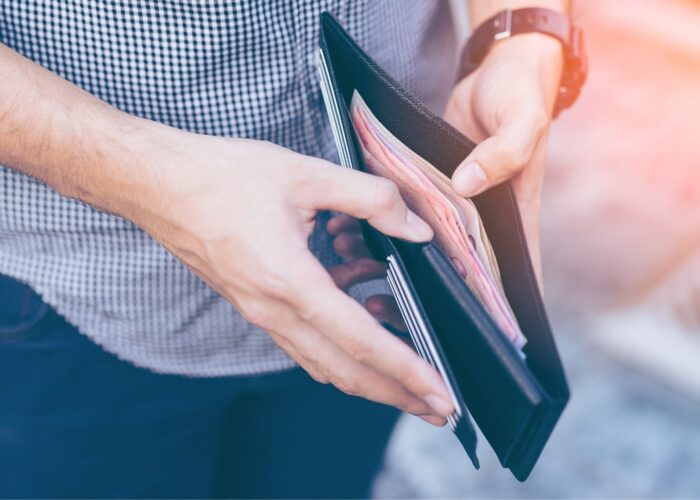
(506, 105)
(143, 171)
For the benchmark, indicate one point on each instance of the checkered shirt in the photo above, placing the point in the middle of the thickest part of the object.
(222, 67)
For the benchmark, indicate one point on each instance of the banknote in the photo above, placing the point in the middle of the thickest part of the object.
(455, 220)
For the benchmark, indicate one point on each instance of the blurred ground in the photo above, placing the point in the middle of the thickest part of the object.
(621, 240)
(622, 199)
(622, 436)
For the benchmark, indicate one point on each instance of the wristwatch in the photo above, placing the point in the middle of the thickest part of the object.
(549, 22)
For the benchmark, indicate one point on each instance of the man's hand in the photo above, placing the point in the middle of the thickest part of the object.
(239, 213)
(506, 105)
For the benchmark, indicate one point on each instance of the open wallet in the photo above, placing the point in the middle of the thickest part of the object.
(469, 297)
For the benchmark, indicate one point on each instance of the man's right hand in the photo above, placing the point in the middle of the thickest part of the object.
(239, 213)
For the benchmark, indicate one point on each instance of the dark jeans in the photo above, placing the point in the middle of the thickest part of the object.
(76, 421)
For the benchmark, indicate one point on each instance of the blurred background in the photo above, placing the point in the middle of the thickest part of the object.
(621, 253)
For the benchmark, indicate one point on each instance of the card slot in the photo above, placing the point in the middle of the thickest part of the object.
(423, 331)
(330, 99)
(409, 318)
(407, 312)
(330, 102)
(422, 328)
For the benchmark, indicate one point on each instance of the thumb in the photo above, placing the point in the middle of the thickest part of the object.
(502, 155)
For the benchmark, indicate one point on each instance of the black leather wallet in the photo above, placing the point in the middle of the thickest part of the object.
(514, 400)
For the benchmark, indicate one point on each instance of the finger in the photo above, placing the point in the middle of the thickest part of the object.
(436, 421)
(504, 154)
(384, 308)
(343, 223)
(356, 271)
(363, 196)
(351, 376)
(353, 330)
(301, 360)
(351, 246)
(326, 363)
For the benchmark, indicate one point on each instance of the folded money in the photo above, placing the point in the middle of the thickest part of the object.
(454, 219)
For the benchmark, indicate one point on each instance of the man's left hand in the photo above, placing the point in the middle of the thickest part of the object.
(506, 105)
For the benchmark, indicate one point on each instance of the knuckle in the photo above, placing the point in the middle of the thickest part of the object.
(256, 313)
(403, 402)
(413, 376)
(540, 121)
(359, 350)
(414, 406)
(342, 243)
(309, 312)
(349, 385)
(276, 286)
(514, 157)
(317, 376)
(386, 194)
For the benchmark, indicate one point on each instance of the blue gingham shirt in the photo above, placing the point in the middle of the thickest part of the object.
(220, 67)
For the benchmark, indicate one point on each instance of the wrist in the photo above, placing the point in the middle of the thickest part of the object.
(570, 65)
(136, 162)
(537, 49)
(541, 53)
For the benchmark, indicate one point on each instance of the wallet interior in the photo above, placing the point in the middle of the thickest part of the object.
(515, 401)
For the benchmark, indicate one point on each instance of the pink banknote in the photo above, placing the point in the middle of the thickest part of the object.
(454, 219)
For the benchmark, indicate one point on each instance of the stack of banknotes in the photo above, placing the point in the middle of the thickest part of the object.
(458, 229)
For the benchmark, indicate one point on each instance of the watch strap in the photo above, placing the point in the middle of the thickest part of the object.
(549, 22)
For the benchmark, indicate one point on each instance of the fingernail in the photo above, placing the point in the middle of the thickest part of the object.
(469, 179)
(439, 404)
(433, 420)
(420, 230)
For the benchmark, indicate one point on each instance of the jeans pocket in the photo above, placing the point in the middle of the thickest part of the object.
(21, 311)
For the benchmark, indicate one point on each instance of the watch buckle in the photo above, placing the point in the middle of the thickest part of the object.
(576, 61)
(503, 23)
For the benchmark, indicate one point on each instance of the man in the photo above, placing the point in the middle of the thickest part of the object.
(195, 131)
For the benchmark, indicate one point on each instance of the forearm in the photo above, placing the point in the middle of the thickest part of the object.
(71, 140)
